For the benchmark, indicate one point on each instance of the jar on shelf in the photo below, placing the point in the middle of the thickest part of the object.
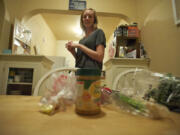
(11, 75)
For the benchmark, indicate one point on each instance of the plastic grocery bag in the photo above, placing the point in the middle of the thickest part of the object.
(61, 92)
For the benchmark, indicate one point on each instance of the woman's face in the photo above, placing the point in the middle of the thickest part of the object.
(88, 18)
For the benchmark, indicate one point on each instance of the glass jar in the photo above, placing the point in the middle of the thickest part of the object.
(89, 93)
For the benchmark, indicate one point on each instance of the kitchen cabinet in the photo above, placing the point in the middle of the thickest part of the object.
(115, 66)
(20, 73)
(20, 80)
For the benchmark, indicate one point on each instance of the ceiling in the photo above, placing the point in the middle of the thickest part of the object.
(64, 25)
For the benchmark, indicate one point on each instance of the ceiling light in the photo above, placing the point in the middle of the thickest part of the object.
(78, 31)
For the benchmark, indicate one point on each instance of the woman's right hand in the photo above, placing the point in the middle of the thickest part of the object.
(70, 47)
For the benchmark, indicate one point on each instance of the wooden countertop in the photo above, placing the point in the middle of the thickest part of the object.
(19, 115)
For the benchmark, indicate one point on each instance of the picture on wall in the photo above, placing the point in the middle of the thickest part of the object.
(77, 4)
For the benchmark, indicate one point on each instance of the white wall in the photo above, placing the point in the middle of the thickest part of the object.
(20, 8)
(5, 27)
(160, 35)
(42, 36)
(62, 51)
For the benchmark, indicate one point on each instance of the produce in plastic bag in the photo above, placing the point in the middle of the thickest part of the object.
(145, 92)
(148, 85)
(167, 92)
(138, 107)
(61, 92)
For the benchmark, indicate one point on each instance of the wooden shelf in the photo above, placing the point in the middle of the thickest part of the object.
(123, 40)
(19, 83)
(125, 37)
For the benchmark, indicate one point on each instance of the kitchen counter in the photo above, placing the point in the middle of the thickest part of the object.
(19, 115)
(24, 58)
(37, 64)
(118, 66)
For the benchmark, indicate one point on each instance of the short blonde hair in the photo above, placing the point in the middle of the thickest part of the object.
(95, 19)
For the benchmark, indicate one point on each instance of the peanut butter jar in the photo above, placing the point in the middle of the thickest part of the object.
(89, 93)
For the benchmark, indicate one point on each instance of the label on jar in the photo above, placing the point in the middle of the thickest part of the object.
(88, 95)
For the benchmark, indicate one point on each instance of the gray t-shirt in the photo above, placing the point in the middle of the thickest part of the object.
(96, 38)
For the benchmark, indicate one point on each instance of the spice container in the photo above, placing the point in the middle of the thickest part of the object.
(88, 95)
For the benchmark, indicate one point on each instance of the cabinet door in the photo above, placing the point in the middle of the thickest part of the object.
(4, 79)
(23, 85)
(1, 78)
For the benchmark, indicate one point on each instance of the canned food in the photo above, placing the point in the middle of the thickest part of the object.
(89, 94)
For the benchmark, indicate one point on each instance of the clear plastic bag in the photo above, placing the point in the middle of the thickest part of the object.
(167, 92)
(148, 93)
(60, 92)
(135, 106)
(138, 92)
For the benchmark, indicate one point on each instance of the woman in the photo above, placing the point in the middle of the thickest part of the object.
(90, 50)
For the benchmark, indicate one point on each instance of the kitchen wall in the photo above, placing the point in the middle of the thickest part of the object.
(24, 9)
(62, 51)
(160, 35)
(5, 27)
(42, 36)
(2, 14)
(20, 8)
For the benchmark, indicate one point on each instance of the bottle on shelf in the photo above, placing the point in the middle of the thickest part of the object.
(133, 30)
(11, 75)
(127, 36)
